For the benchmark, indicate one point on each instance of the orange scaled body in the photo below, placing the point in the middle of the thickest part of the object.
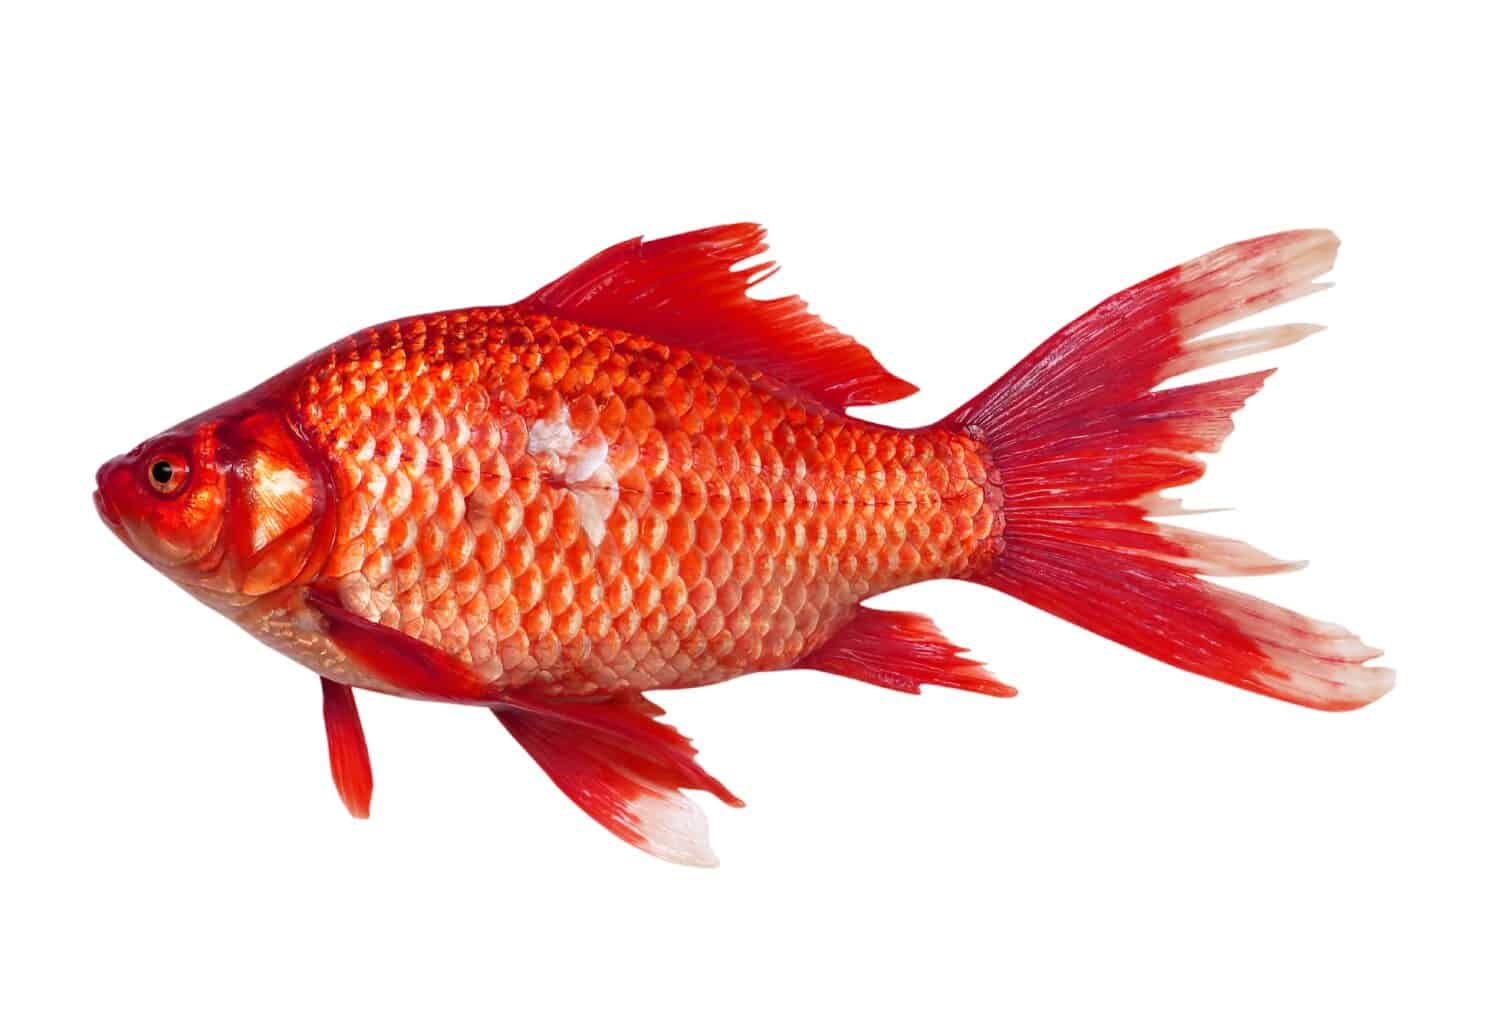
(561, 505)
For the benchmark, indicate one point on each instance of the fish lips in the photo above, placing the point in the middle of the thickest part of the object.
(106, 509)
(108, 514)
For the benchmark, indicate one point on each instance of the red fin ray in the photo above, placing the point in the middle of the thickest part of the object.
(348, 757)
(630, 722)
(402, 662)
(901, 651)
(1142, 336)
(685, 290)
(1082, 444)
(622, 767)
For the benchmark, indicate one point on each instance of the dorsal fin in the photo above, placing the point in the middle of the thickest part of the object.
(684, 291)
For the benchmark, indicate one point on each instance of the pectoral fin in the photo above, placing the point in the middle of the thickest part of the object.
(348, 757)
(403, 663)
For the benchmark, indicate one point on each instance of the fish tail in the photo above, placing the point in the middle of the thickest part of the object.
(1081, 444)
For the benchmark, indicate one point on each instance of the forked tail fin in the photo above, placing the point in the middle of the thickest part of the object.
(1082, 444)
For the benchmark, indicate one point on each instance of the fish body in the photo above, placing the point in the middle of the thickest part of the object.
(585, 511)
(639, 478)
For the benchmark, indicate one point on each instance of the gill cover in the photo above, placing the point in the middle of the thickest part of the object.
(279, 522)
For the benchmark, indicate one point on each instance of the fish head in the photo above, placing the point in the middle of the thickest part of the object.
(233, 504)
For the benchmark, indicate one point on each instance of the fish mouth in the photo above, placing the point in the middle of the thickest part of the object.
(107, 512)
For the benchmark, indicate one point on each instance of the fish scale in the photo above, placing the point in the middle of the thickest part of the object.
(743, 523)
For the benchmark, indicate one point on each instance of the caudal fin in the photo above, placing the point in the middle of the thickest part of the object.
(1082, 444)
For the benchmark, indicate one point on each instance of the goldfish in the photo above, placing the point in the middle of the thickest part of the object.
(641, 478)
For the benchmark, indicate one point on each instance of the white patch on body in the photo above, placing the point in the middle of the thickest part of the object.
(587, 461)
(551, 437)
(582, 464)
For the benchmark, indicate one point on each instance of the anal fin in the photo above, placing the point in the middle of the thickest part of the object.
(621, 766)
(901, 651)
(348, 757)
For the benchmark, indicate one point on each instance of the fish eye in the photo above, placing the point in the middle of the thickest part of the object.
(166, 474)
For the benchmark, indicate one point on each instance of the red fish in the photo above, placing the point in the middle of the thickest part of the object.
(640, 478)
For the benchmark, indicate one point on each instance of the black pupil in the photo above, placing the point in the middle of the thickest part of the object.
(161, 472)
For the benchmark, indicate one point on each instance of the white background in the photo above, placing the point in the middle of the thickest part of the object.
(193, 200)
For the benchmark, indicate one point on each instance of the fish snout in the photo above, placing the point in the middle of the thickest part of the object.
(108, 483)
